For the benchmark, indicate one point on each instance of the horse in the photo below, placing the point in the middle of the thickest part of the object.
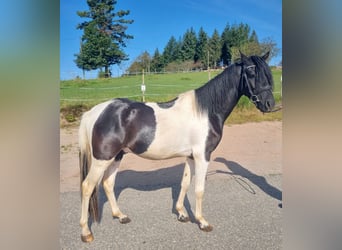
(188, 126)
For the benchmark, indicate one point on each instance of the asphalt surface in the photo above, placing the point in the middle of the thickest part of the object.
(245, 210)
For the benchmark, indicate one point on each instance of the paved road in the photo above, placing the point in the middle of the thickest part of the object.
(244, 208)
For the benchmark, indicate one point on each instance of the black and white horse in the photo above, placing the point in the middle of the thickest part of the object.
(188, 126)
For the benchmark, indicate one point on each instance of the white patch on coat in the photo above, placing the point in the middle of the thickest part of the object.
(180, 129)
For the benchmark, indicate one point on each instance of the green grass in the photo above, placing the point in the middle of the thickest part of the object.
(79, 95)
(159, 87)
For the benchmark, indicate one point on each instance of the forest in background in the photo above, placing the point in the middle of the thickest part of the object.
(198, 51)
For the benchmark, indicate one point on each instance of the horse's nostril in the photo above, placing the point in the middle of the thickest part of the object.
(268, 105)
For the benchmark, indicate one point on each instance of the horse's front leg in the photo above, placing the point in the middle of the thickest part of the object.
(201, 166)
(182, 214)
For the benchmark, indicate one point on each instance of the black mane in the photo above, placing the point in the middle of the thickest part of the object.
(214, 96)
(262, 66)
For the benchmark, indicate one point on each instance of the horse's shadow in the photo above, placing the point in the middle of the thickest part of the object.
(169, 177)
(260, 181)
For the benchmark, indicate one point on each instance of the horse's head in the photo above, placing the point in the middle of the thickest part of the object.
(257, 81)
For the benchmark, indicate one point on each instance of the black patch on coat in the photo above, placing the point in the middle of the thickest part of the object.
(123, 124)
(166, 105)
(214, 135)
(140, 126)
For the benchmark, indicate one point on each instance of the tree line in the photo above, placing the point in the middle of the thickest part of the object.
(104, 38)
(200, 51)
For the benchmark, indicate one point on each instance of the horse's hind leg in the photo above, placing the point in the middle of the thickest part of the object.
(108, 186)
(182, 214)
(94, 176)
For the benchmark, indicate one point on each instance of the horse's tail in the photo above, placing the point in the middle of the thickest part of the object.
(85, 163)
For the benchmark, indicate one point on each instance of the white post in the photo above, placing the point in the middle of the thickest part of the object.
(143, 86)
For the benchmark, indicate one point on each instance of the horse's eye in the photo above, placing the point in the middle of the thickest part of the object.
(251, 71)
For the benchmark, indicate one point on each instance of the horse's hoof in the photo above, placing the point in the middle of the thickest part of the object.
(87, 238)
(183, 218)
(207, 228)
(125, 220)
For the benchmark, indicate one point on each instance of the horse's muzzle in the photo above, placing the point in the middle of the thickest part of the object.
(275, 109)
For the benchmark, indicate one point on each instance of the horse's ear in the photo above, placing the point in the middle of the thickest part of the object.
(266, 55)
(243, 57)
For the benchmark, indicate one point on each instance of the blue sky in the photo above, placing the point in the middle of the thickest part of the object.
(155, 21)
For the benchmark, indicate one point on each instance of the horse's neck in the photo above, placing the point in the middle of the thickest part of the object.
(220, 95)
(227, 106)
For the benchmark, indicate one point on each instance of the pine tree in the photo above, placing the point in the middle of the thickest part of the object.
(225, 41)
(157, 62)
(233, 36)
(104, 36)
(215, 49)
(188, 45)
(170, 51)
(254, 37)
(177, 53)
(202, 48)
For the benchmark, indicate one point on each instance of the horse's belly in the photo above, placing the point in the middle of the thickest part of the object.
(167, 149)
(175, 142)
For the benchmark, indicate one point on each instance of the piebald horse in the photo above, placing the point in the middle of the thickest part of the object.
(188, 126)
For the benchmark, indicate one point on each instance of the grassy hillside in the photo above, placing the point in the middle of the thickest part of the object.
(77, 96)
